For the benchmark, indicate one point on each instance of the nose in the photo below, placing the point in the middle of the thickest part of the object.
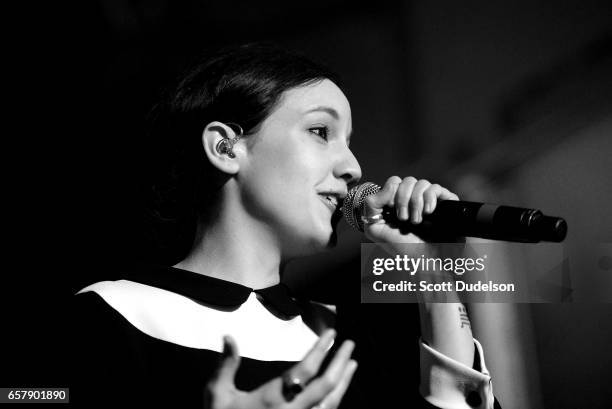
(347, 167)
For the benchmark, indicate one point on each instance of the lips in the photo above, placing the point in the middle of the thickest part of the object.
(331, 200)
(332, 203)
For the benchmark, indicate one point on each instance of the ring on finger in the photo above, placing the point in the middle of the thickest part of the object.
(367, 220)
(291, 386)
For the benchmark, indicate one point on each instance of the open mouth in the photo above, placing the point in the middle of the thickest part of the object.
(330, 200)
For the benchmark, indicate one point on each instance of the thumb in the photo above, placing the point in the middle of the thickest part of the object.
(230, 361)
(385, 197)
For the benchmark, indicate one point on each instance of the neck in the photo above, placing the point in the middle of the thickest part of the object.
(236, 248)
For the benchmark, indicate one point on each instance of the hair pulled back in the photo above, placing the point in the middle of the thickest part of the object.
(240, 84)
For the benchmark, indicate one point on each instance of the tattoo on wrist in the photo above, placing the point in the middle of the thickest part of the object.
(463, 317)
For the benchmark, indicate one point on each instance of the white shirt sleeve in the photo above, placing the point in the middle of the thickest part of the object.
(449, 384)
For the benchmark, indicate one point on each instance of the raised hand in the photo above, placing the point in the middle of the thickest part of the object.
(298, 388)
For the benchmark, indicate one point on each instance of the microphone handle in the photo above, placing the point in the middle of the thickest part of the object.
(453, 218)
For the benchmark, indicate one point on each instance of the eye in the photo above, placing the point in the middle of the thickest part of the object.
(321, 131)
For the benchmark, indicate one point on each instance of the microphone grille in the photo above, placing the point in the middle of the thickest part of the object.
(353, 203)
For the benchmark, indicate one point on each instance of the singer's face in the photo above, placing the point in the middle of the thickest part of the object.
(299, 165)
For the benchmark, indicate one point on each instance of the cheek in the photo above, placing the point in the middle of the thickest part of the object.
(284, 175)
(274, 187)
(292, 161)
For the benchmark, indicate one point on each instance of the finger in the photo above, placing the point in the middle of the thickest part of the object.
(332, 400)
(323, 385)
(416, 201)
(432, 194)
(308, 367)
(230, 361)
(431, 198)
(384, 197)
(447, 195)
(402, 197)
(343, 355)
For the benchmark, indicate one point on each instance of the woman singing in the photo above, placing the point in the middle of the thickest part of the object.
(262, 161)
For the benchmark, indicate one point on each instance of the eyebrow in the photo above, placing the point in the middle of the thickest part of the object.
(329, 110)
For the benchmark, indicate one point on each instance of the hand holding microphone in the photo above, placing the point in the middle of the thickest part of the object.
(407, 210)
(382, 212)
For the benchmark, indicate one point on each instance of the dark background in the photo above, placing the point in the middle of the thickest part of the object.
(504, 102)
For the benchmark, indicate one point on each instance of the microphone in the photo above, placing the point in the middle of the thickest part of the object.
(453, 218)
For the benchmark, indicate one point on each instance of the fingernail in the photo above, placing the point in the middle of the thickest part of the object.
(428, 208)
(403, 213)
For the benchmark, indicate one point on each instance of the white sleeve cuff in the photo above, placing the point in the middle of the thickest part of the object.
(449, 384)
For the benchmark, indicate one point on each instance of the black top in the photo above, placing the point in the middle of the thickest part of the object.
(114, 363)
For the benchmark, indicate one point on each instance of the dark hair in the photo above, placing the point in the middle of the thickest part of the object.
(240, 84)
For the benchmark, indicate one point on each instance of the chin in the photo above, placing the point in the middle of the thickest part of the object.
(327, 241)
(320, 243)
(324, 242)
(319, 239)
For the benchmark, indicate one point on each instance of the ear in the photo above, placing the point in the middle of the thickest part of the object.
(212, 135)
